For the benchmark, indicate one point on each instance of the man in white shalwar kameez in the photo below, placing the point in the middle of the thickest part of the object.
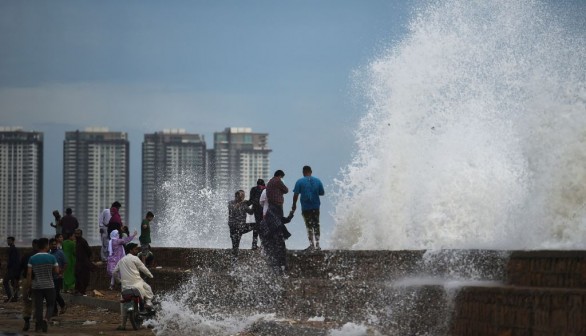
(128, 271)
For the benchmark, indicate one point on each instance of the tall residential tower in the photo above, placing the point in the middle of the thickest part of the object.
(170, 159)
(95, 174)
(21, 183)
(239, 158)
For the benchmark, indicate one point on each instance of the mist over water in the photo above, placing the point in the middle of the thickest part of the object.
(474, 134)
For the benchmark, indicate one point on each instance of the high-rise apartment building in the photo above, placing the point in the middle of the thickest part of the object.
(239, 158)
(170, 157)
(95, 174)
(21, 183)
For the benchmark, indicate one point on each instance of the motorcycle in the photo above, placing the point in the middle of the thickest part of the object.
(132, 308)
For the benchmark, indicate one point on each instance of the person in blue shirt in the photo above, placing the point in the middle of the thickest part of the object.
(58, 277)
(310, 188)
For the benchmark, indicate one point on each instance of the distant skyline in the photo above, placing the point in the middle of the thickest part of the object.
(282, 68)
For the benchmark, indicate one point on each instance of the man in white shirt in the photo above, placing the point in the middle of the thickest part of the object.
(127, 271)
(103, 221)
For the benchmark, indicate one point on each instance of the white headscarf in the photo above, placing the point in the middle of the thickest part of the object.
(113, 235)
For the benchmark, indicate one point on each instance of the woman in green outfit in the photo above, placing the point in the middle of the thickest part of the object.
(69, 274)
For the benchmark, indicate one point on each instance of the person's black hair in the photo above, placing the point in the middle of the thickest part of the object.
(117, 205)
(42, 243)
(78, 230)
(68, 211)
(59, 234)
(129, 247)
(52, 240)
(150, 214)
(10, 238)
(306, 169)
(279, 173)
(260, 182)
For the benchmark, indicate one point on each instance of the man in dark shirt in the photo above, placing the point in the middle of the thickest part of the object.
(237, 210)
(275, 191)
(83, 263)
(12, 272)
(255, 193)
(68, 223)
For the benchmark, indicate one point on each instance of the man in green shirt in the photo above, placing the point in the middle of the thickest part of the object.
(145, 235)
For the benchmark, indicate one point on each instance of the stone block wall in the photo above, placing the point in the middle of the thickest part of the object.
(541, 293)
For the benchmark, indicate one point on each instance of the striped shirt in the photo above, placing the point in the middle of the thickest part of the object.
(42, 265)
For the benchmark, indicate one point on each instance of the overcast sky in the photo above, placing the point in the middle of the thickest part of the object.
(284, 68)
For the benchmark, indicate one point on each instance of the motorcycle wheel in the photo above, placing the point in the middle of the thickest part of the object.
(133, 316)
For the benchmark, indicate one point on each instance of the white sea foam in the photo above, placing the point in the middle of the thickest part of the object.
(473, 135)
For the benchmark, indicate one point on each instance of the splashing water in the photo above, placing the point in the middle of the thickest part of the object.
(193, 216)
(474, 135)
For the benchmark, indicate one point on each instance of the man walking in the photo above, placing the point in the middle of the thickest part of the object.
(42, 265)
(58, 277)
(275, 191)
(12, 274)
(310, 188)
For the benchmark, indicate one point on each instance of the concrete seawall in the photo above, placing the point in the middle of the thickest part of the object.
(400, 292)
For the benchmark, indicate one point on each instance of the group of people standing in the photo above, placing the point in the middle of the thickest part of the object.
(65, 263)
(52, 265)
(266, 203)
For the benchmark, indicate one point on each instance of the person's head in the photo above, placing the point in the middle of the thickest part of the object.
(132, 248)
(68, 211)
(114, 234)
(149, 257)
(279, 173)
(10, 241)
(53, 244)
(239, 195)
(306, 171)
(78, 233)
(59, 238)
(56, 214)
(260, 182)
(116, 205)
(35, 244)
(43, 244)
(150, 216)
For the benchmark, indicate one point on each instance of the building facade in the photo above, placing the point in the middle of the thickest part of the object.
(95, 174)
(21, 183)
(239, 158)
(171, 157)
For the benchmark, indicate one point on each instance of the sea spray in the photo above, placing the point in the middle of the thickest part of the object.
(473, 135)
